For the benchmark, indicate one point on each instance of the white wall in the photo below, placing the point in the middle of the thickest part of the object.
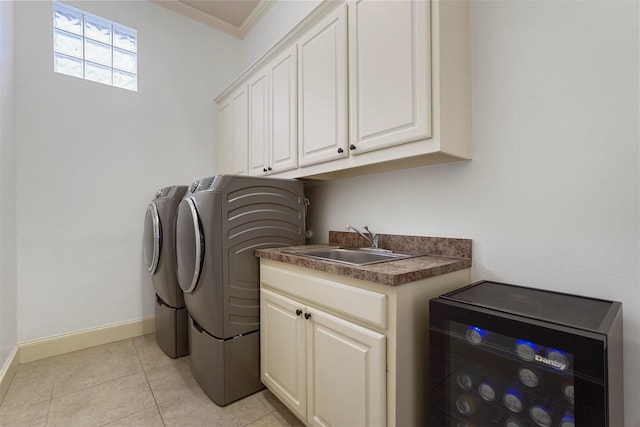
(551, 197)
(8, 264)
(90, 158)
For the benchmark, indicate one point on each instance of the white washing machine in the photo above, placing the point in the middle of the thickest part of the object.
(172, 331)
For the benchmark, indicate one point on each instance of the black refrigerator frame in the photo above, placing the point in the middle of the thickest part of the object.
(594, 349)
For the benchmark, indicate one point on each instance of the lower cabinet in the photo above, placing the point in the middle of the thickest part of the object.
(329, 370)
(340, 351)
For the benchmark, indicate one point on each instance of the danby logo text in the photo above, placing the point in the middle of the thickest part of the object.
(554, 363)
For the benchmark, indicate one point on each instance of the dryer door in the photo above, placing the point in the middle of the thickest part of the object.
(152, 238)
(189, 245)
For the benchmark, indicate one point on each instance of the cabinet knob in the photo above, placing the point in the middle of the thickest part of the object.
(307, 316)
(340, 150)
(352, 147)
(264, 169)
(269, 168)
(298, 312)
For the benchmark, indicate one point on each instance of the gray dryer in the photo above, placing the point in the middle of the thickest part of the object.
(160, 260)
(220, 223)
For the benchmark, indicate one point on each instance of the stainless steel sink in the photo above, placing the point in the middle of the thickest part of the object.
(350, 256)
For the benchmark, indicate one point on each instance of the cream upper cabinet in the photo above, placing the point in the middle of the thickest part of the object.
(389, 52)
(378, 85)
(232, 133)
(322, 94)
(409, 86)
(330, 371)
(272, 94)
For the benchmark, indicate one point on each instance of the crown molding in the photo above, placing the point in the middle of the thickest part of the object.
(211, 21)
(254, 17)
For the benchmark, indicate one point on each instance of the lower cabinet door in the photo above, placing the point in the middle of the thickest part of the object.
(346, 373)
(282, 350)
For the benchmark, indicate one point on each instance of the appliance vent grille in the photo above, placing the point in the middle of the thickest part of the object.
(207, 183)
(162, 192)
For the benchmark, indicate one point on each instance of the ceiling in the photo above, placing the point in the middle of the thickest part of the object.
(236, 17)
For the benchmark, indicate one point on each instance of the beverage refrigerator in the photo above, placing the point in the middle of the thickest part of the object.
(507, 355)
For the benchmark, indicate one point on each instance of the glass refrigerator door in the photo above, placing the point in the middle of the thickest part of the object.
(494, 369)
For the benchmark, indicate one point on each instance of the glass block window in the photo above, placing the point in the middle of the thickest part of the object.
(94, 48)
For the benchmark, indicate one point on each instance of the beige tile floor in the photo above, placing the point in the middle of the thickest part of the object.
(127, 383)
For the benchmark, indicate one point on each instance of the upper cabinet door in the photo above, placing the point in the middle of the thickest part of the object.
(223, 136)
(322, 90)
(273, 139)
(232, 133)
(389, 51)
(284, 112)
(239, 131)
(258, 124)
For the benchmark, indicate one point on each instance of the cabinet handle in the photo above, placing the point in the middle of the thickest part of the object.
(307, 316)
(298, 312)
(352, 147)
(340, 150)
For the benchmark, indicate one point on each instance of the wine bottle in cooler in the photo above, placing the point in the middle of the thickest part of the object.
(466, 405)
(476, 335)
(472, 410)
(514, 400)
(552, 412)
(469, 376)
(556, 359)
(527, 350)
(568, 420)
(492, 386)
(567, 391)
(541, 415)
(529, 377)
(489, 389)
(512, 420)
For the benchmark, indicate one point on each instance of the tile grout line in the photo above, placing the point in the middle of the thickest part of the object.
(54, 397)
(96, 384)
(46, 419)
(258, 419)
(125, 416)
(101, 383)
(13, 385)
(56, 374)
(146, 377)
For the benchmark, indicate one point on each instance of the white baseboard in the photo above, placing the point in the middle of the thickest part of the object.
(53, 346)
(8, 371)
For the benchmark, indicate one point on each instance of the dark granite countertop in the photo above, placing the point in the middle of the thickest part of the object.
(441, 256)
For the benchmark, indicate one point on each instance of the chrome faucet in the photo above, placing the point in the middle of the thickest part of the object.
(372, 238)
